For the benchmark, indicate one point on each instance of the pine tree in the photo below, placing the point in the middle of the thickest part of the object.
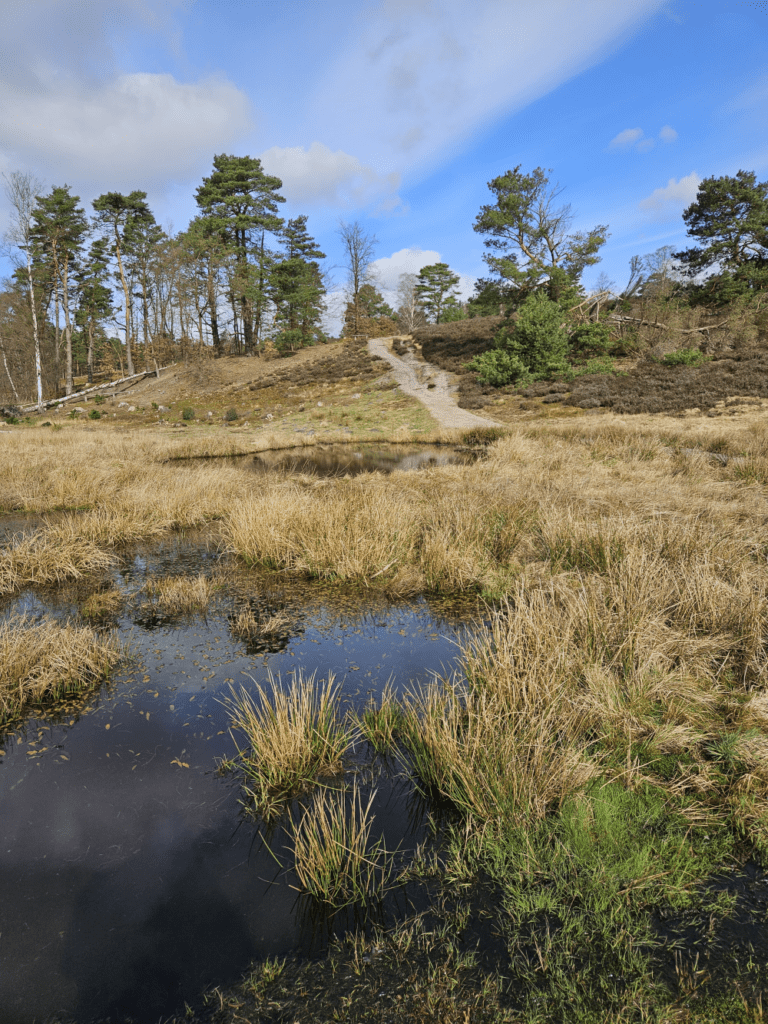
(95, 294)
(240, 202)
(436, 286)
(120, 214)
(297, 288)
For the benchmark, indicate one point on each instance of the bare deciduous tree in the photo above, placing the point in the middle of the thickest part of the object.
(22, 190)
(359, 249)
(409, 311)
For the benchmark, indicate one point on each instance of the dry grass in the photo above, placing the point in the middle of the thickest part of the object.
(334, 858)
(44, 660)
(381, 723)
(294, 735)
(246, 625)
(105, 604)
(182, 595)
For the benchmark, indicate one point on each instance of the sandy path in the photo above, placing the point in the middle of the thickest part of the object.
(413, 375)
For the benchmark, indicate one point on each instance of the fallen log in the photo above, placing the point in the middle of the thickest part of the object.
(134, 377)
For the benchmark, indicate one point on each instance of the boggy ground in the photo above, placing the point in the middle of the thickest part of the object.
(604, 755)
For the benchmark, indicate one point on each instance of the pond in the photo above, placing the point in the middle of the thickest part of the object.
(351, 460)
(131, 877)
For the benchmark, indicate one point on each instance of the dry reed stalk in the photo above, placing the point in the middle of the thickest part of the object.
(44, 660)
(294, 735)
(103, 605)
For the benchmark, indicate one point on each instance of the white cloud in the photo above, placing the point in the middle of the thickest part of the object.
(667, 134)
(130, 132)
(405, 261)
(317, 175)
(675, 195)
(644, 145)
(416, 78)
(626, 139)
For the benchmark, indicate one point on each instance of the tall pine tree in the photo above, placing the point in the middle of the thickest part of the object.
(297, 288)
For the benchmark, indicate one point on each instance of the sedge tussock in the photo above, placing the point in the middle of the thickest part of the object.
(43, 558)
(103, 605)
(380, 723)
(246, 625)
(334, 858)
(182, 595)
(294, 734)
(45, 660)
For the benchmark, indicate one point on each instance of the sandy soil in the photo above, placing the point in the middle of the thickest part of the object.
(431, 386)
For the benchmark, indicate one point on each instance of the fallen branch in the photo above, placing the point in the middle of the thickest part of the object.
(666, 327)
(135, 377)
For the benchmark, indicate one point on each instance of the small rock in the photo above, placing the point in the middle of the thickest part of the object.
(122, 405)
(209, 415)
(357, 395)
(319, 405)
(269, 416)
(79, 408)
(301, 408)
(131, 408)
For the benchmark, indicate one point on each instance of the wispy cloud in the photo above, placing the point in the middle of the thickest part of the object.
(319, 176)
(667, 134)
(418, 77)
(674, 196)
(626, 139)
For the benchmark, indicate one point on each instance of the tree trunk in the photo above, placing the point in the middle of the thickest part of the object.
(90, 351)
(124, 283)
(8, 372)
(68, 383)
(36, 335)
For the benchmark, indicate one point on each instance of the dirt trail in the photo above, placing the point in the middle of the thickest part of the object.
(414, 377)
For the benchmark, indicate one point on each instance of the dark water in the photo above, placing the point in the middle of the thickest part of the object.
(130, 877)
(347, 460)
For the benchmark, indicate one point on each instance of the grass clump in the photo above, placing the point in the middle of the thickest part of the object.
(294, 737)
(334, 858)
(246, 625)
(42, 661)
(182, 595)
(231, 415)
(684, 357)
(187, 413)
(381, 723)
(105, 604)
(94, 414)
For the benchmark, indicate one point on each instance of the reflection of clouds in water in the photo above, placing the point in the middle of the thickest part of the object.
(129, 871)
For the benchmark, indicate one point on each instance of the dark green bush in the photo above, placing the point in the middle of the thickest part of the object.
(535, 347)
(590, 340)
(685, 357)
(187, 414)
(99, 399)
(94, 414)
(230, 415)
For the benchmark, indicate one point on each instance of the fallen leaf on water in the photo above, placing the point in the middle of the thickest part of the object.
(107, 726)
(64, 757)
(181, 764)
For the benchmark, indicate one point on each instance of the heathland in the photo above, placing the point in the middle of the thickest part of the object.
(604, 750)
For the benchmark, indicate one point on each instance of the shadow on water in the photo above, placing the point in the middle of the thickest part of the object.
(131, 877)
(349, 460)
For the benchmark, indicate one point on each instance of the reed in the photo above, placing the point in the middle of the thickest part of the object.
(43, 661)
(294, 736)
(380, 723)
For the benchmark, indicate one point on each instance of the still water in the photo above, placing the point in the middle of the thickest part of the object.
(131, 879)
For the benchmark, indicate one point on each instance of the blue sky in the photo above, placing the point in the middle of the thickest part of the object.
(396, 113)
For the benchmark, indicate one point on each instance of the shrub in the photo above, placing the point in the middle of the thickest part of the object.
(534, 348)
(154, 405)
(189, 414)
(99, 399)
(590, 339)
(684, 357)
(230, 415)
(94, 414)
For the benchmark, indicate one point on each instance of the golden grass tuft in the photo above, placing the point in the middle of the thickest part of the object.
(104, 604)
(42, 661)
(294, 736)
(182, 595)
(246, 625)
(334, 858)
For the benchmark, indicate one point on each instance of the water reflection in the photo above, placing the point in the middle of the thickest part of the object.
(346, 460)
(130, 876)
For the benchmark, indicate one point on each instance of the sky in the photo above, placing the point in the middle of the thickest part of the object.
(394, 113)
